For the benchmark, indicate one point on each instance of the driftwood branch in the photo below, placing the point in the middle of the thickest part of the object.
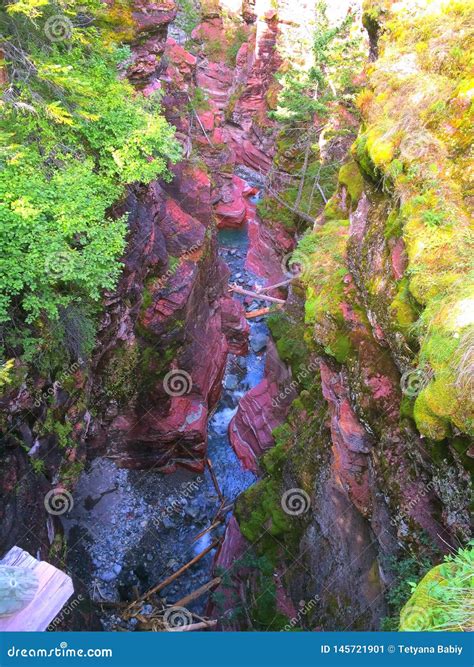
(255, 295)
(166, 582)
(321, 192)
(214, 480)
(213, 525)
(194, 626)
(195, 595)
(296, 211)
(259, 290)
(261, 311)
(303, 174)
(200, 123)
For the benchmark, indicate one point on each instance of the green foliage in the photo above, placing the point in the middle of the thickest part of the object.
(61, 430)
(404, 571)
(120, 374)
(238, 38)
(261, 612)
(72, 134)
(188, 16)
(199, 100)
(38, 465)
(5, 369)
(335, 54)
(443, 599)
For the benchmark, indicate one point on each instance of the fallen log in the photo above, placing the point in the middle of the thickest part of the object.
(214, 480)
(261, 311)
(221, 512)
(259, 290)
(166, 582)
(255, 295)
(194, 626)
(208, 529)
(205, 588)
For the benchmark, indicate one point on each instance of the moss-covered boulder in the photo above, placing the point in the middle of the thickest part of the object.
(443, 599)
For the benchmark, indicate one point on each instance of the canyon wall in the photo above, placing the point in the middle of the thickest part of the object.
(369, 477)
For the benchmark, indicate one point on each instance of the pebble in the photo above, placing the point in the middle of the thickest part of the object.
(258, 342)
(231, 382)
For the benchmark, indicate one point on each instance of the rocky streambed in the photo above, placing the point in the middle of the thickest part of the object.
(130, 529)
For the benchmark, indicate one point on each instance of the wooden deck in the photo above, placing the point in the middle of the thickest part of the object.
(54, 590)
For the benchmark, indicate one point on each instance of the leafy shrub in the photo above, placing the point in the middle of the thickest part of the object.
(443, 599)
(72, 134)
(405, 571)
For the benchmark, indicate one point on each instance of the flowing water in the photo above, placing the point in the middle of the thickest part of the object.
(130, 529)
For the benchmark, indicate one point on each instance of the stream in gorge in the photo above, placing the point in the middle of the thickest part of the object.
(130, 529)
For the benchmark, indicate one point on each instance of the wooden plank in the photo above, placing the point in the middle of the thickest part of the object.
(54, 590)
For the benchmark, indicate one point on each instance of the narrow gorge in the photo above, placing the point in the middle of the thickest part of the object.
(255, 411)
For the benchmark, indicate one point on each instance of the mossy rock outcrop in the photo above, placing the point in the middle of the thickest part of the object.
(443, 599)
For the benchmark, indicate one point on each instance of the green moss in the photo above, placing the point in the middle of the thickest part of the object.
(406, 407)
(70, 473)
(428, 423)
(403, 307)
(289, 338)
(120, 375)
(379, 149)
(332, 210)
(440, 397)
(61, 429)
(443, 599)
(340, 349)
(271, 211)
(350, 176)
(261, 517)
(393, 225)
(361, 154)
